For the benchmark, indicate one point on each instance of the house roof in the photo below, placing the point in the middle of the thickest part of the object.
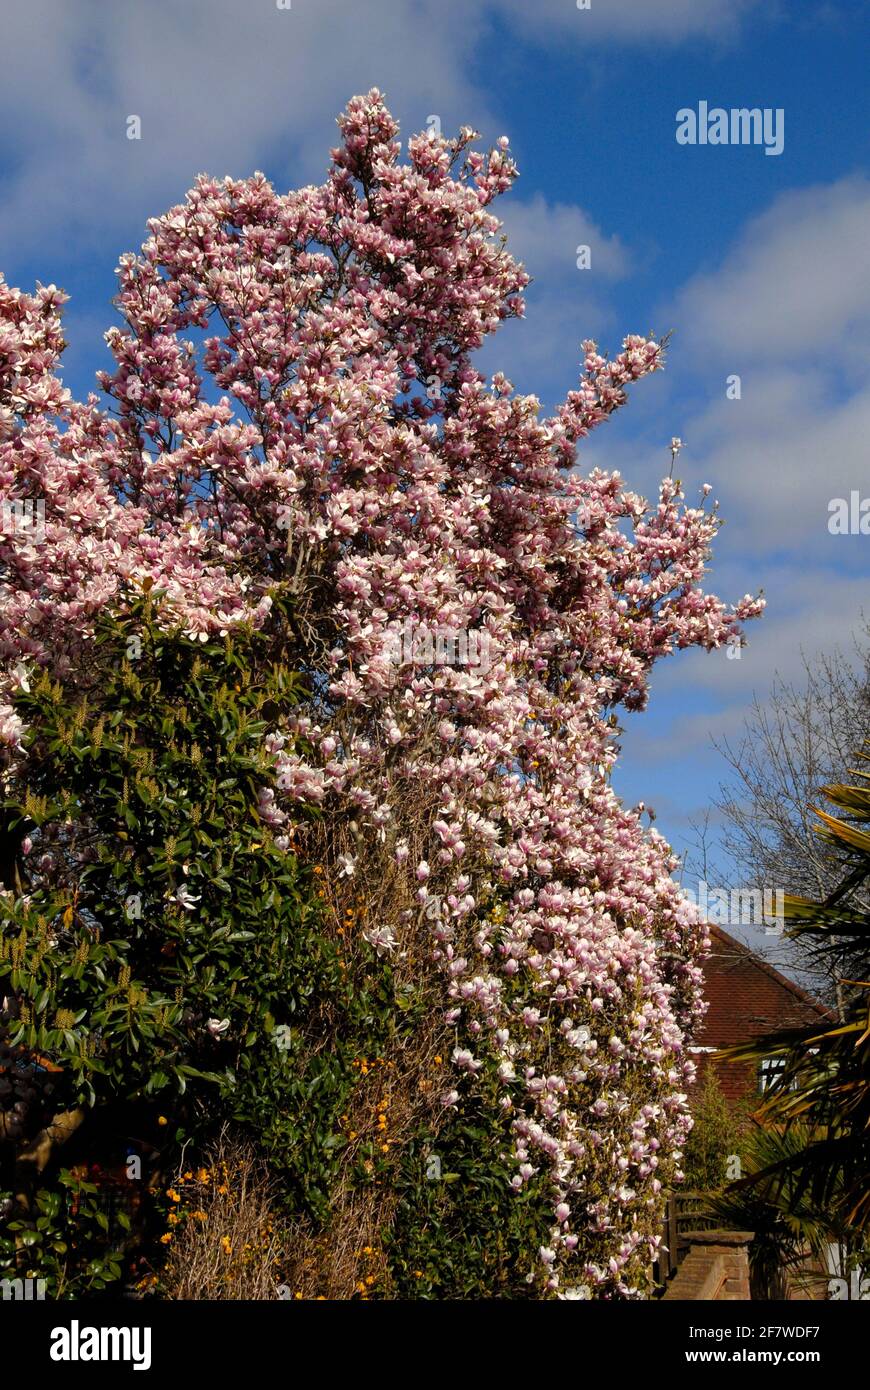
(748, 997)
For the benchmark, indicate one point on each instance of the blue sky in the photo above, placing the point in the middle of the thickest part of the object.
(758, 263)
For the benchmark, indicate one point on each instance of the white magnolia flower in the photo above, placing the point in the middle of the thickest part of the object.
(382, 938)
(347, 866)
(186, 899)
(463, 1058)
(217, 1026)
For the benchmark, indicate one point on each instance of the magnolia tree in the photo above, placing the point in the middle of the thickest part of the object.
(295, 410)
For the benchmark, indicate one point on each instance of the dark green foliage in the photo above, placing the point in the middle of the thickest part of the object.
(165, 909)
(717, 1134)
(788, 1225)
(460, 1231)
(167, 970)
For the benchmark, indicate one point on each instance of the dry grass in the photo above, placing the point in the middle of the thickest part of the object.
(227, 1241)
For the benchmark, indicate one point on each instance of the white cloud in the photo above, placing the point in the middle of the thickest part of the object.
(546, 236)
(811, 610)
(564, 303)
(219, 86)
(781, 453)
(788, 311)
(699, 698)
(796, 284)
(647, 21)
(227, 87)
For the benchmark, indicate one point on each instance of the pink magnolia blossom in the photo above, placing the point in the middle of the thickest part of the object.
(298, 441)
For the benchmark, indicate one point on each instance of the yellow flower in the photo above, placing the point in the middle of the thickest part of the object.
(162, 1120)
(226, 1245)
(166, 1238)
(173, 1195)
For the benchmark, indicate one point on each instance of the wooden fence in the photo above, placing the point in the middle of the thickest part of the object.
(685, 1211)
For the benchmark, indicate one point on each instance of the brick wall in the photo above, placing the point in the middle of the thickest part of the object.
(715, 1270)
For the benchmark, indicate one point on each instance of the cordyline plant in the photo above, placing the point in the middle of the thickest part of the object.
(295, 409)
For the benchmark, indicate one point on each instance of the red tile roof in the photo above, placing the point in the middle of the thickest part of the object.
(748, 997)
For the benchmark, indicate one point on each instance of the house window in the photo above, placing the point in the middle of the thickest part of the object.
(771, 1068)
